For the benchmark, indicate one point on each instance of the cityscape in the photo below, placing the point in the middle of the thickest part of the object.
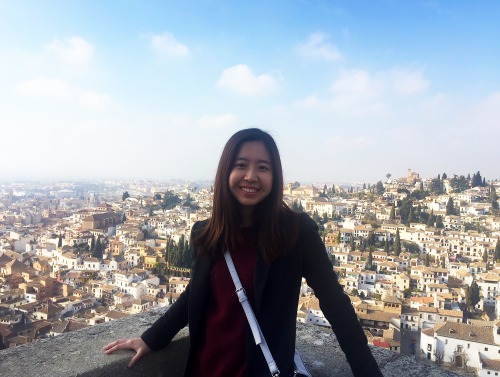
(418, 257)
(113, 116)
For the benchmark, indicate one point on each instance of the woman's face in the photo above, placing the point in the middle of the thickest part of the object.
(251, 178)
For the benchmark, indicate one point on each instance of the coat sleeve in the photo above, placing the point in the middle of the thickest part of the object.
(334, 303)
(160, 334)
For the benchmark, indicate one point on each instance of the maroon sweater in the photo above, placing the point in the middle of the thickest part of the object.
(222, 351)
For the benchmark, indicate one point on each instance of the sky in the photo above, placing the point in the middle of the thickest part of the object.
(350, 90)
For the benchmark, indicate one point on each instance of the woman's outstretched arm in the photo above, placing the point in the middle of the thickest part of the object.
(134, 344)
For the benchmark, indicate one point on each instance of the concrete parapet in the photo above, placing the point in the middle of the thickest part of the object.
(80, 353)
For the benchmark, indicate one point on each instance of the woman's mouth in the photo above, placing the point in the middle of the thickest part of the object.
(249, 189)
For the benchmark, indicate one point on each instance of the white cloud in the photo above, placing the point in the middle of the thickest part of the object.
(72, 50)
(241, 80)
(437, 99)
(94, 100)
(166, 45)
(360, 92)
(217, 121)
(308, 102)
(44, 88)
(408, 82)
(318, 48)
(358, 83)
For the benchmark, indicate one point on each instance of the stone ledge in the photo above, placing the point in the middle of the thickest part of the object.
(80, 354)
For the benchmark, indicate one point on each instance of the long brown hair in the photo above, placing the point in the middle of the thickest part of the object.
(277, 223)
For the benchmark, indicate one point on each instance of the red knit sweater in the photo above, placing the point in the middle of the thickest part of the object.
(222, 351)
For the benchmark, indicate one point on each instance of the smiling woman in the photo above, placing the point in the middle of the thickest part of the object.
(272, 249)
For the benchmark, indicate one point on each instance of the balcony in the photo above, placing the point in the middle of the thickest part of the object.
(80, 354)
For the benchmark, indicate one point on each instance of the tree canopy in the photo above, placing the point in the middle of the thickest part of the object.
(170, 200)
(450, 208)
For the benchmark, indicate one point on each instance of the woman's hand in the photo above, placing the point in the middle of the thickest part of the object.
(135, 344)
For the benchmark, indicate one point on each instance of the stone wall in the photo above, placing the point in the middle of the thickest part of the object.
(80, 354)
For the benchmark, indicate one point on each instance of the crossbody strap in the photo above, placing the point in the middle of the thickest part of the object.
(252, 320)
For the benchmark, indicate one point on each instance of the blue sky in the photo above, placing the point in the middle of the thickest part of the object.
(351, 90)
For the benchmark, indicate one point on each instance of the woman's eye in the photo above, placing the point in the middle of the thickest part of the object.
(263, 168)
(240, 166)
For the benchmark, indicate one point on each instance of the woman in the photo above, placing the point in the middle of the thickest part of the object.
(272, 248)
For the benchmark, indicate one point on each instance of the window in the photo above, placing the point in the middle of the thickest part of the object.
(429, 347)
(486, 348)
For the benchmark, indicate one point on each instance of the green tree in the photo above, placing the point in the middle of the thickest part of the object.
(315, 217)
(379, 188)
(392, 215)
(125, 195)
(371, 238)
(493, 198)
(59, 242)
(369, 261)
(450, 208)
(98, 249)
(351, 242)
(473, 295)
(397, 244)
(497, 250)
(190, 202)
(427, 260)
(436, 186)
(439, 222)
(410, 216)
(386, 246)
(431, 220)
(170, 200)
(477, 180)
(411, 247)
(92, 243)
(485, 256)
(297, 206)
(404, 210)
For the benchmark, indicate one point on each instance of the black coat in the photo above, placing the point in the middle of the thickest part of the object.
(276, 294)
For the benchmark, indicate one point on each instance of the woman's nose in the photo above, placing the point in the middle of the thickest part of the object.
(251, 174)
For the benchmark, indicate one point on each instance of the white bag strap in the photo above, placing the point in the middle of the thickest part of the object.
(252, 320)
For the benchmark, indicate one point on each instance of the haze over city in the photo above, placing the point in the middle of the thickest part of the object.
(350, 90)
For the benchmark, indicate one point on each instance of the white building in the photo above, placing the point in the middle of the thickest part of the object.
(463, 345)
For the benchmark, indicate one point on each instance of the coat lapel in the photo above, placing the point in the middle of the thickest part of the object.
(259, 279)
